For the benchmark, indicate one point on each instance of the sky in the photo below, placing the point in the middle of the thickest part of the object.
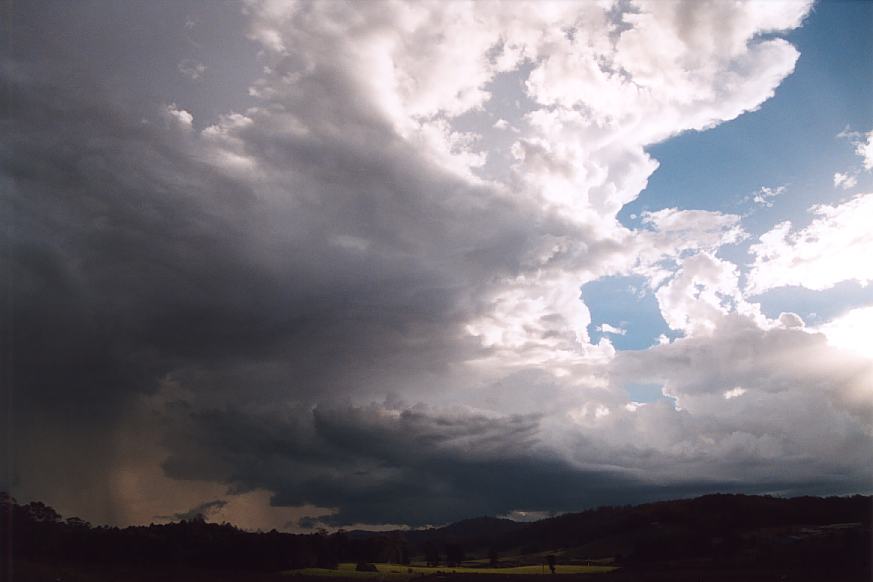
(395, 264)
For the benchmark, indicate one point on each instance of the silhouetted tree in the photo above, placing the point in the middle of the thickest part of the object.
(493, 557)
(550, 559)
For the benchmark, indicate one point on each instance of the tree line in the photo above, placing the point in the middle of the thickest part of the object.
(36, 532)
(732, 529)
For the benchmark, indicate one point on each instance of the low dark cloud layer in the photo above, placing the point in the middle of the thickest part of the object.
(380, 464)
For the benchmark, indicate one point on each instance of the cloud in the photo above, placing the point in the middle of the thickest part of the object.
(845, 181)
(704, 290)
(863, 143)
(790, 320)
(679, 233)
(380, 463)
(764, 196)
(179, 116)
(190, 68)
(309, 523)
(201, 511)
(245, 293)
(384, 463)
(851, 331)
(734, 392)
(606, 328)
(834, 247)
(765, 396)
(864, 149)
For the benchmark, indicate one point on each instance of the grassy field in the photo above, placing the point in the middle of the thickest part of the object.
(397, 571)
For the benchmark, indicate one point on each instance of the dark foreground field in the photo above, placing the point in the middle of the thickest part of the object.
(31, 572)
(721, 538)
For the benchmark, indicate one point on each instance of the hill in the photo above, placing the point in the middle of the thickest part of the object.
(711, 533)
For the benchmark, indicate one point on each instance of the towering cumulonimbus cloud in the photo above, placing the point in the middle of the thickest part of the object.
(360, 293)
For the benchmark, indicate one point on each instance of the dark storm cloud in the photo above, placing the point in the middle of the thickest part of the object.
(308, 523)
(131, 258)
(116, 268)
(133, 51)
(375, 465)
(112, 244)
(136, 262)
(202, 510)
(383, 464)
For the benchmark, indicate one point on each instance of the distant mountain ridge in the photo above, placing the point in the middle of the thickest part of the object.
(472, 530)
(706, 514)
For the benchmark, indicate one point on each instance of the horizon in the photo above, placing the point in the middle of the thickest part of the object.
(387, 528)
(300, 265)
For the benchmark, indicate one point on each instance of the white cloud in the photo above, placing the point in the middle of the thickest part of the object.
(674, 234)
(600, 96)
(793, 401)
(178, 116)
(836, 246)
(606, 328)
(734, 393)
(765, 195)
(700, 229)
(676, 231)
(852, 331)
(703, 291)
(790, 320)
(845, 181)
(864, 148)
(863, 143)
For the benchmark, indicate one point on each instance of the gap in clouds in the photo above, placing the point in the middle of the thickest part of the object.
(628, 303)
(816, 307)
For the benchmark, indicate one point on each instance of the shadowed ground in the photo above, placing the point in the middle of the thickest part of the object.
(29, 572)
